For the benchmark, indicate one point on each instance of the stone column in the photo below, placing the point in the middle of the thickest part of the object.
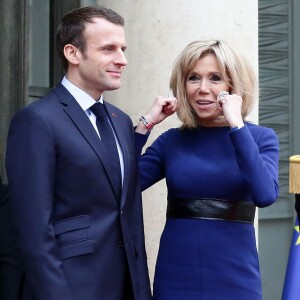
(156, 31)
(13, 65)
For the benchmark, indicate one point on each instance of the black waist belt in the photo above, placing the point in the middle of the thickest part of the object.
(207, 208)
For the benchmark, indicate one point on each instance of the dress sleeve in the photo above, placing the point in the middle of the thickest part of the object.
(257, 155)
(151, 163)
(140, 141)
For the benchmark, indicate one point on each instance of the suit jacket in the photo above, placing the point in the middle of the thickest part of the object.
(10, 263)
(76, 236)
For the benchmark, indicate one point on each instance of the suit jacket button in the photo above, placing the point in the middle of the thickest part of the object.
(121, 245)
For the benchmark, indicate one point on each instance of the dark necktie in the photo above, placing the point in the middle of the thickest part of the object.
(109, 142)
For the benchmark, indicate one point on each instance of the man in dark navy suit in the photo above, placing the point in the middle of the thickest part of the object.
(79, 219)
(10, 264)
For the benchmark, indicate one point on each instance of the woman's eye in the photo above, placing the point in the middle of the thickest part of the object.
(215, 78)
(193, 78)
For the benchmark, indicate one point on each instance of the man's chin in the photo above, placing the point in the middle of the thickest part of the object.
(114, 87)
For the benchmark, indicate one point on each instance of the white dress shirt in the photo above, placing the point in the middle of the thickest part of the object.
(86, 101)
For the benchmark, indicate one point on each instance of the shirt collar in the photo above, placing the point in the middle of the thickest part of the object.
(83, 99)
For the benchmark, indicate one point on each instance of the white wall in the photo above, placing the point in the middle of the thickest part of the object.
(156, 31)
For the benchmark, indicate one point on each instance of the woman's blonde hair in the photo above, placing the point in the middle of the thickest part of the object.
(235, 69)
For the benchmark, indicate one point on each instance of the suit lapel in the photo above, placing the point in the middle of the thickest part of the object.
(84, 125)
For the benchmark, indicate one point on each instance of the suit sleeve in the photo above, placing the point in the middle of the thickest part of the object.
(257, 156)
(30, 162)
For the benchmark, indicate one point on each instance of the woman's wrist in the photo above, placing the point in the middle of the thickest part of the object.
(237, 123)
(236, 127)
(146, 121)
(145, 124)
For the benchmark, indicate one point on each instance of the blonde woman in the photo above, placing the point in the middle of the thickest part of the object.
(218, 169)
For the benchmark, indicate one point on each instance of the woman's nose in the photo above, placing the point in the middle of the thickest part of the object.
(204, 86)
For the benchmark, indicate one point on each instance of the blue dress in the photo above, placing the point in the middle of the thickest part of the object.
(211, 259)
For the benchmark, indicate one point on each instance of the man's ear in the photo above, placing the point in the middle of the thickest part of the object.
(72, 54)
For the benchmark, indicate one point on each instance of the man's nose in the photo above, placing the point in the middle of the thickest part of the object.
(121, 58)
